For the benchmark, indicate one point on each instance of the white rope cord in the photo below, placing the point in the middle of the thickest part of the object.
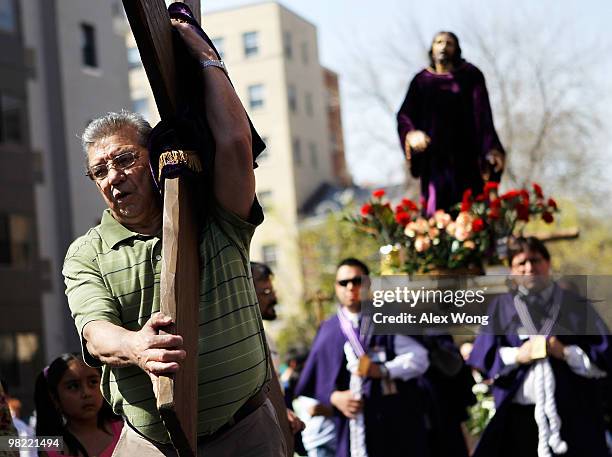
(550, 409)
(357, 436)
(545, 414)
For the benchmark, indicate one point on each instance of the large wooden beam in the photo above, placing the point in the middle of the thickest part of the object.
(177, 397)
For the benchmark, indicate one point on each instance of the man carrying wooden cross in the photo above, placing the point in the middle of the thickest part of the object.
(112, 282)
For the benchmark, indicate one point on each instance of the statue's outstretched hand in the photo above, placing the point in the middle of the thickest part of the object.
(416, 142)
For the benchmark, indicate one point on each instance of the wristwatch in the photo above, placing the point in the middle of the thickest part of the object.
(214, 63)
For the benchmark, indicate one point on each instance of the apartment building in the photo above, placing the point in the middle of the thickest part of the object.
(63, 63)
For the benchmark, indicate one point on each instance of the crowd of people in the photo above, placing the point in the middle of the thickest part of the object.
(355, 393)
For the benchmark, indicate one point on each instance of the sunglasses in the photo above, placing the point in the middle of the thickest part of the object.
(356, 281)
(119, 162)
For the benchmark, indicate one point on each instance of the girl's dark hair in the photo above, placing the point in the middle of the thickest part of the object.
(49, 420)
(457, 58)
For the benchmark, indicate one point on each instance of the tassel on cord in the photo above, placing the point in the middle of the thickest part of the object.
(546, 416)
(177, 157)
(550, 408)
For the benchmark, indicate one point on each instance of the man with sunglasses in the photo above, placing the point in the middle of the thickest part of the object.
(112, 276)
(366, 382)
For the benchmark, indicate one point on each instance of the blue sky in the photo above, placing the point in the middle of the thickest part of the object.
(344, 27)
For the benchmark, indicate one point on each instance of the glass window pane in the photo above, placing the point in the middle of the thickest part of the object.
(7, 16)
(20, 240)
(292, 98)
(88, 46)
(288, 46)
(297, 151)
(256, 96)
(11, 119)
(250, 41)
(133, 58)
(314, 159)
(219, 43)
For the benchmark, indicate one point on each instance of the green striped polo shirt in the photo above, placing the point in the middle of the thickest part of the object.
(112, 274)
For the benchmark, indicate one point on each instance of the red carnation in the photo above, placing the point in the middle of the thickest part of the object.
(547, 217)
(478, 225)
(538, 190)
(379, 193)
(552, 203)
(525, 196)
(402, 218)
(466, 202)
(490, 186)
(409, 205)
(366, 209)
(510, 194)
(522, 212)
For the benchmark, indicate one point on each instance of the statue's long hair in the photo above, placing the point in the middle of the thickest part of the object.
(457, 58)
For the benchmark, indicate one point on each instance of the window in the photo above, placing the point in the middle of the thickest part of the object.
(14, 240)
(304, 52)
(269, 255)
(292, 98)
(17, 350)
(133, 58)
(141, 105)
(297, 151)
(256, 96)
(88, 46)
(314, 158)
(11, 119)
(265, 199)
(219, 43)
(309, 109)
(250, 41)
(287, 46)
(7, 16)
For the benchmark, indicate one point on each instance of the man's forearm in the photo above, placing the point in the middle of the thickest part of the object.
(109, 343)
(224, 111)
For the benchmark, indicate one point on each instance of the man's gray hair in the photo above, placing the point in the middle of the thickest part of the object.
(111, 123)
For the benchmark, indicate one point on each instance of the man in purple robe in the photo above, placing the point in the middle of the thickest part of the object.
(391, 403)
(446, 129)
(547, 372)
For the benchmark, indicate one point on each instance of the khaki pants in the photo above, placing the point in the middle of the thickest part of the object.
(257, 435)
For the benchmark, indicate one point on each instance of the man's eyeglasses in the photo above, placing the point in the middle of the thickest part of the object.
(119, 162)
(356, 281)
(266, 291)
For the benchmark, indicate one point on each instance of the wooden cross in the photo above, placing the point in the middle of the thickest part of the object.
(177, 396)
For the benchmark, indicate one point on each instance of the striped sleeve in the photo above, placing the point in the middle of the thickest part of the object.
(88, 297)
(240, 231)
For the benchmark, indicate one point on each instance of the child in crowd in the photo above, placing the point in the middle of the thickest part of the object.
(69, 403)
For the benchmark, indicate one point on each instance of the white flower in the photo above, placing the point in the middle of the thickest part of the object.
(480, 388)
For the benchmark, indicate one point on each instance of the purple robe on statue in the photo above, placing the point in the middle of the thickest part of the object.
(394, 423)
(454, 110)
(579, 399)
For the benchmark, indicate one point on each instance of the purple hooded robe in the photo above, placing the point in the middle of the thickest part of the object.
(579, 399)
(394, 423)
(454, 110)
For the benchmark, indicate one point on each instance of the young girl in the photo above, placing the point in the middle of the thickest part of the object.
(69, 404)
